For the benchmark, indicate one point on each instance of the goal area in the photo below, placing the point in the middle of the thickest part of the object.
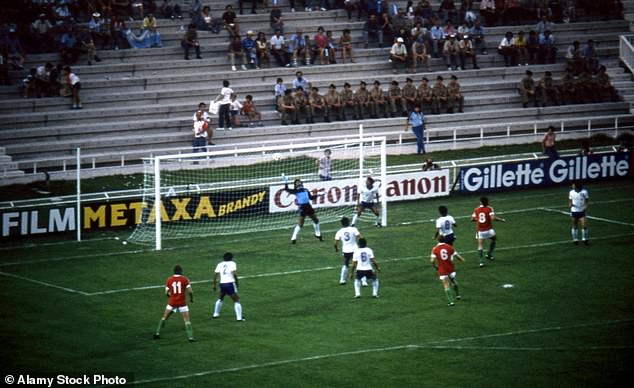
(242, 190)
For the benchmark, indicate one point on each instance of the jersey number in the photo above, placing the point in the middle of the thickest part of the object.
(346, 236)
(482, 218)
(447, 225)
(444, 255)
(176, 288)
(364, 257)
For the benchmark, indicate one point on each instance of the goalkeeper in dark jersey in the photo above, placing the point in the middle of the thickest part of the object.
(302, 199)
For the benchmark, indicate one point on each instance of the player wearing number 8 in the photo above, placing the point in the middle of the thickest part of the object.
(442, 256)
(176, 288)
(484, 217)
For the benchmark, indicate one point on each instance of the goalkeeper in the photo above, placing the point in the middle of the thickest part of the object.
(302, 199)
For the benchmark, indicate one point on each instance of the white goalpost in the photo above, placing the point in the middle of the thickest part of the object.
(240, 191)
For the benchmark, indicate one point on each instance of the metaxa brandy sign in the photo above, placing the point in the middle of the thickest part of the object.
(545, 172)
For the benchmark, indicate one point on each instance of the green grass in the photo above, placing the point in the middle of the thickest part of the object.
(567, 320)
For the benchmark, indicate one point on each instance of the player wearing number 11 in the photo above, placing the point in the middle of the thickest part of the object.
(442, 256)
(175, 288)
(484, 217)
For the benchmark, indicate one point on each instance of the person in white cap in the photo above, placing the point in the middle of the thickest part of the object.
(398, 55)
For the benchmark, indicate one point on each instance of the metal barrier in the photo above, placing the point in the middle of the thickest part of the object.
(626, 51)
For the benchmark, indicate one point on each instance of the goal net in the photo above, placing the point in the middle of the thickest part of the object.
(241, 191)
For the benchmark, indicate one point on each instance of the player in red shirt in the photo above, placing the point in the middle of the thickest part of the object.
(176, 288)
(442, 256)
(484, 216)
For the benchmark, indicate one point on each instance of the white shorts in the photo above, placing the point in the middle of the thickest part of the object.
(181, 309)
(450, 276)
(483, 235)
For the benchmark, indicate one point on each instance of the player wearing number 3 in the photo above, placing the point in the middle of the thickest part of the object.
(226, 270)
(484, 217)
(175, 288)
(442, 256)
(348, 236)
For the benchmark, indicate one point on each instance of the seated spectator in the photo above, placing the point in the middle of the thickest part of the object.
(451, 53)
(122, 8)
(13, 50)
(449, 29)
(302, 105)
(69, 46)
(398, 55)
(589, 56)
(424, 10)
(100, 30)
(507, 49)
(568, 91)
(249, 110)
(230, 20)
(150, 26)
(547, 89)
(333, 102)
(117, 31)
(345, 42)
(512, 12)
(437, 36)
(276, 21)
(248, 46)
(569, 11)
(42, 79)
(386, 27)
(278, 45)
(253, 5)
(207, 22)
(262, 50)
(362, 101)
(585, 148)
(321, 43)
(573, 58)
(195, 11)
(331, 48)
(347, 101)
(234, 110)
(372, 28)
(279, 90)
(301, 82)
(587, 87)
(317, 104)
(419, 55)
(171, 9)
(467, 51)
(410, 94)
(532, 47)
(547, 48)
(190, 40)
(448, 10)
(42, 29)
(377, 100)
(487, 12)
(477, 37)
(455, 99)
(429, 165)
(604, 86)
(469, 15)
(527, 89)
(235, 49)
(352, 5)
(88, 46)
(418, 31)
(544, 24)
(424, 93)
(439, 96)
(401, 21)
(521, 44)
(396, 100)
(298, 48)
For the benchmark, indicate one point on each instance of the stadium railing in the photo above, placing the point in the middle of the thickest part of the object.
(626, 51)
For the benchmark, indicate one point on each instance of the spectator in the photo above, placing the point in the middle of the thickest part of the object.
(195, 11)
(547, 89)
(410, 94)
(275, 19)
(171, 9)
(301, 81)
(544, 24)
(544, 11)
(28, 88)
(512, 12)
(448, 11)
(585, 148)
(423, 10)
(42, 29)
(521, 45)
(288, 108)
(570, 11)
(424, 93)
(487, 12)
(547, 48)
(302, 105)
(100, 30)
(190, 40)
(317, 103)
(249, 110)
(331, 52)
(573, 58)
(532, 47)
(207, 22)
(345, 42)
(477, 36)
(250, 51)
(4, 67)
(200, 132)
(43, 80)
(117, 31)
(394, 97)
(278, 45)
(235, 108)
(352, 5)
(429, 165)
(262, 50)
(418, 31)
(298, 48)
(13, 50)
(253, 5)
(235, 49)
(455, 99)
(508, 50)
(122, 8)
(230, 20)
(75, 86)
(467, 50)
(347, 101)
(437, 35)
(279, 91)
(587, 88)
(321, 43)
(88, 46)
(386, 27)
(604, 85)
(362, 100)
(392, 8)
(548, 143)
(224, 100)
(419, 54)
(589, 56)
(451, 52)
(333, 103)
(527, 90)
(401, 21)
(372, 28)
(416, 120)
(69, 46)
(398, 55)
(377, 100)
(150, 27)
(202, 107)
(568, 90)
(61, 12)
(439, 96)
(449, 29)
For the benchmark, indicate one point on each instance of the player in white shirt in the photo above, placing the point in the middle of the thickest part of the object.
(368, 198)
(226, 270)
(578, 202)
(364, 265)
(348, 236)
(444, 226)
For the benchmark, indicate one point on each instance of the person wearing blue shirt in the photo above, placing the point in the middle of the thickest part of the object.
(248, 45)
(303, 198)
(417, 121)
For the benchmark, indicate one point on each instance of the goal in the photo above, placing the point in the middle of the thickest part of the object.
(241, 191)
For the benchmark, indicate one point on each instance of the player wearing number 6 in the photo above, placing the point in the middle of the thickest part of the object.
(484, 217)
(175, 288)
(364, 265)
(442, 256)
(227, 271)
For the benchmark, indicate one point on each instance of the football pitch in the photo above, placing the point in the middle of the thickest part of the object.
(544, 313)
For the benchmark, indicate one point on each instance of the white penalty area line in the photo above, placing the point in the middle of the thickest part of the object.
(45, 284)
(590, 217)
(426, 345)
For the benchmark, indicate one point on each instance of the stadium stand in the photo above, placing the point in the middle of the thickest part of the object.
(139, 102)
